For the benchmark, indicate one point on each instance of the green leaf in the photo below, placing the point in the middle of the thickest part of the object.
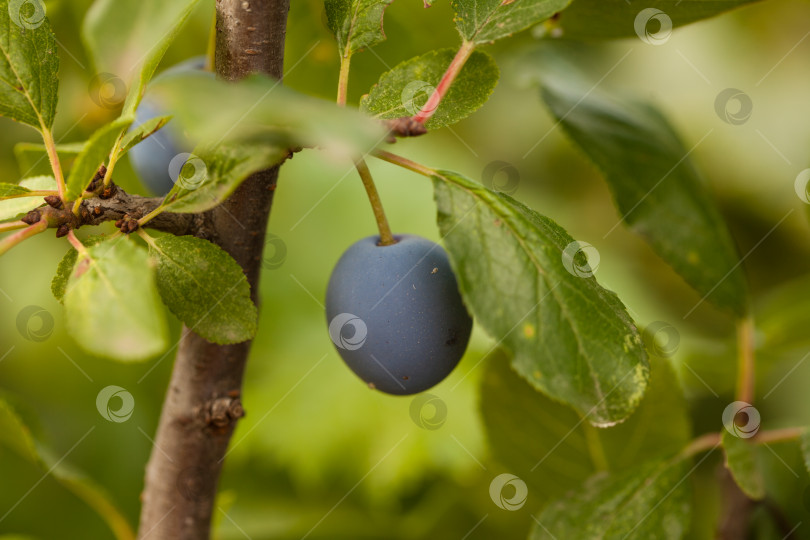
(603, 19)
(259, 107)
(572, 339)
(12, 190)
(141, 132)
(12, 208)
(652, 500)
(741, 461)
(356, 23)
(405, 89)
(93, 495)
(212, 174)
(95, 153)
(484, 21)
(32, 158)
(112, 304)
(550, 447)
(28, 64)
(65, 268)
(656, 187)
(128, 38)
(16, 436)
(205, 288)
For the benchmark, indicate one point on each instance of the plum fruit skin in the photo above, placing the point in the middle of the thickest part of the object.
(151, 158)
(407, 301)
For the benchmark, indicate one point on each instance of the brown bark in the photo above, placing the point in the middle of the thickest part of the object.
(202, 402)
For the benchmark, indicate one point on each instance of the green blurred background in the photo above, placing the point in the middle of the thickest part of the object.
(319, 453)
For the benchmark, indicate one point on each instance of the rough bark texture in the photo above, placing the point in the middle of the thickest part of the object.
(95, 211)
(202, 402)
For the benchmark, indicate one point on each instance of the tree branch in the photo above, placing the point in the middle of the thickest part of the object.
(118, 206)
(202, 403)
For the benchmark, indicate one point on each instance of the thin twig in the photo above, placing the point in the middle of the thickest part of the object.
(10, 241)
(386, 238)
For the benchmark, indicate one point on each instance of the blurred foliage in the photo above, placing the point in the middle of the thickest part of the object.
(318, 453)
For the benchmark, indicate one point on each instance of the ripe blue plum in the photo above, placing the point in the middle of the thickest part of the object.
(395, 314)
(152, 157)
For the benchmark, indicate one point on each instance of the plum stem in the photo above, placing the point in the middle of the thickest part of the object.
(386, 238)
(405, 163)
(343, 79)
(745, 359)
